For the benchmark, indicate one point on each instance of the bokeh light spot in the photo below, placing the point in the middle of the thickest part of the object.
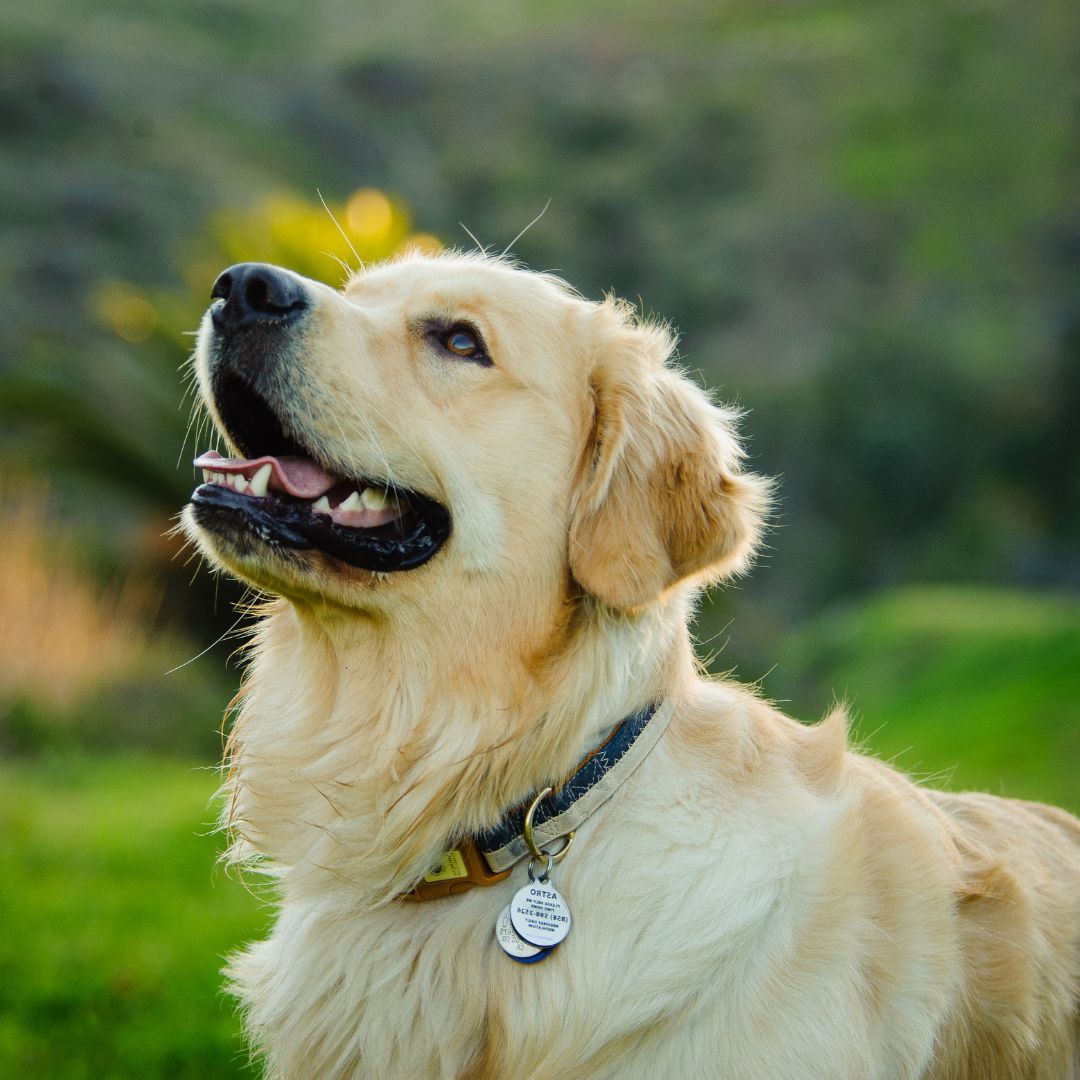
(125, 310)
(369, 215)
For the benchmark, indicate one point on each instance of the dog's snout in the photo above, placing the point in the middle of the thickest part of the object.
(253, 293)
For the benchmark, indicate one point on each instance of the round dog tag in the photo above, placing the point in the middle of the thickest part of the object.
(512, 944)
(539, 914)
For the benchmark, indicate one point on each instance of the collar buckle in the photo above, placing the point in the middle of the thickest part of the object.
(462, 868)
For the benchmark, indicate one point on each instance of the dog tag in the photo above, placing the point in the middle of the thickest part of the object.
(539, 914)
(512, 944)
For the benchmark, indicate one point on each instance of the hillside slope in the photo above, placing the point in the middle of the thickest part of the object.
(969, 688)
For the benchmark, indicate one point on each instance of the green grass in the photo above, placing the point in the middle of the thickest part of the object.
(114, 921)
(971, 688)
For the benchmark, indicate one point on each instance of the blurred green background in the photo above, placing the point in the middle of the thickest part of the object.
(863, 217)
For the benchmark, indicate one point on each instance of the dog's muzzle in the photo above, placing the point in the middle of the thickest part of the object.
(277, 491)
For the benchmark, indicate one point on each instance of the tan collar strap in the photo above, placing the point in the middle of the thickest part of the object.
(461, 869)
(489, 857)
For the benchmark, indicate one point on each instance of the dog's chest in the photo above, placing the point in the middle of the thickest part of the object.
(655, 969)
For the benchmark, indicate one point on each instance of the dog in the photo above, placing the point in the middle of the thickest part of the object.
(481, 508)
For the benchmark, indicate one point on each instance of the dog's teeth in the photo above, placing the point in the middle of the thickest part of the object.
(219, 478)
(353, 502)
(376, 498)
(239, 482)
(260, 482)
(207, 476)
(322, 504)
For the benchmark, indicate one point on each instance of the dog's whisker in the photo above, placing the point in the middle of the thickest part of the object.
(193, 420)
(208, 649)
(344, 234)
(349, 272)
(526, 229)
(468, 232)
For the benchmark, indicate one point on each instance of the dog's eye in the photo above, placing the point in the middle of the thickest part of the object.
(463, 341)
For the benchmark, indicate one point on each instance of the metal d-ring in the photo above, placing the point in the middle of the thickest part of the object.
(530, 841)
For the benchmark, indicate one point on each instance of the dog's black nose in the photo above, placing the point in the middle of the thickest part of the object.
(256, 293)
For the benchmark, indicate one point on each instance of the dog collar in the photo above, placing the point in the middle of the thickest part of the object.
(488, 857)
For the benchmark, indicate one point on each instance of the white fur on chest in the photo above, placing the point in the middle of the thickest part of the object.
(688, 957)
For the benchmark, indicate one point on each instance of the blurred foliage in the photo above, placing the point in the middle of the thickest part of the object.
(862, 216)
(60, 638)
(88, 666)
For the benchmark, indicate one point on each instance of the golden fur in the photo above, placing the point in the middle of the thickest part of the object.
(757, 902)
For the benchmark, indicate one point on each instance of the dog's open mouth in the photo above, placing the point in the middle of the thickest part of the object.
(283, 496)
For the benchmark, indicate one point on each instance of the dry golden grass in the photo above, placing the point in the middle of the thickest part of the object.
(60, 635)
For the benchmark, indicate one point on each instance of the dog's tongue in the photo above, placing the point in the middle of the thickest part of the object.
(297, 476)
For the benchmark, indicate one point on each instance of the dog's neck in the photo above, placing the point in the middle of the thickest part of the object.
(364, 745)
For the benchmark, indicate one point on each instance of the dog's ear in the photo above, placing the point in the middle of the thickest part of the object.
(663, 499)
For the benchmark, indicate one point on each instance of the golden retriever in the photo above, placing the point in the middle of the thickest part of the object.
(485, 507)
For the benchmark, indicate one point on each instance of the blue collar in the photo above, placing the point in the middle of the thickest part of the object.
(591, 784)
(488, 858)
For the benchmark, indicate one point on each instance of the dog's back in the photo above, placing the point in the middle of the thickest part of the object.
(1019, 927)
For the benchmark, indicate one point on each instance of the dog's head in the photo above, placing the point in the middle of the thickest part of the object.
(448, 421)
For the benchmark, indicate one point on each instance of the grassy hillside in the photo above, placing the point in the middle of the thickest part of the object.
(115, 923)
(971, 688)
